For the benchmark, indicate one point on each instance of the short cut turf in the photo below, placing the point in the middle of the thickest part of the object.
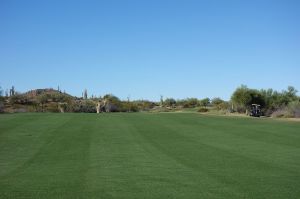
(136, 155)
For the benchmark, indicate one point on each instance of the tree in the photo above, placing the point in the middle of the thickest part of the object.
(193, 102)
(188, 103)
(114, 104)
(291, 92)
(170, 102)
(111, 98)
(204, 102)
(243, 97)
(289, 95)
(216, 101)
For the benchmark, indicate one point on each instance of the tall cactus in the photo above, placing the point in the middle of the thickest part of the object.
(12, 91)
(85, 95)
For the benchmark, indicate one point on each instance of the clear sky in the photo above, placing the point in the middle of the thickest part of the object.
(148, 48)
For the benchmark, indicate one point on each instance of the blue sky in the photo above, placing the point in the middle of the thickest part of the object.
(148, 48)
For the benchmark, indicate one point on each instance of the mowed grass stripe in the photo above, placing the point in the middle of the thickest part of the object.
(137, 169)
(189, 181)
(57, 167)
(148, 156)
(218, 154)
(122, 165)
(22, 137)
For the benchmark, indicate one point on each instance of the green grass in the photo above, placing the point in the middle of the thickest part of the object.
(141, 156)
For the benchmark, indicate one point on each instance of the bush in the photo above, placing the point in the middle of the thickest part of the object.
(129, 107)
(202, 110)
(1, 107)
(188, 103)
(81, 107)
(294, 108)
(170, 102)
(144, 105)
(220, 104)
(281, 113)
(204, 102)
(216, 101)
(52, 107)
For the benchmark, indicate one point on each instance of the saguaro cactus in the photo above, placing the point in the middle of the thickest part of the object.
(12, 91)
(85, 95)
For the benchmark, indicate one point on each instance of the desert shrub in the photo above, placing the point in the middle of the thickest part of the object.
(281, 113)
(52, 107)
(202, 110)
(15, 99)
(204, 102)
(129, 107)
(59, 97)
(291, 110)
(188, 103)
(134, 108)
(110, 107)
(144, 105)
(223, 106)
(114, 103)
(268, 111)
(1, 107)
(84, 106)
(220, 104)
(33, 108)
(294, 108)
(240, 108)
(170, 102)
(216, 101)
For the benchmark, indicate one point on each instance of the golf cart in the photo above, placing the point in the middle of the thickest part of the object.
(255, 110)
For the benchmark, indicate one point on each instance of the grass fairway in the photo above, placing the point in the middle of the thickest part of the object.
(148, 156)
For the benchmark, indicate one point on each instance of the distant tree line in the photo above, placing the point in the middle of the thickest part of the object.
(285, 103)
